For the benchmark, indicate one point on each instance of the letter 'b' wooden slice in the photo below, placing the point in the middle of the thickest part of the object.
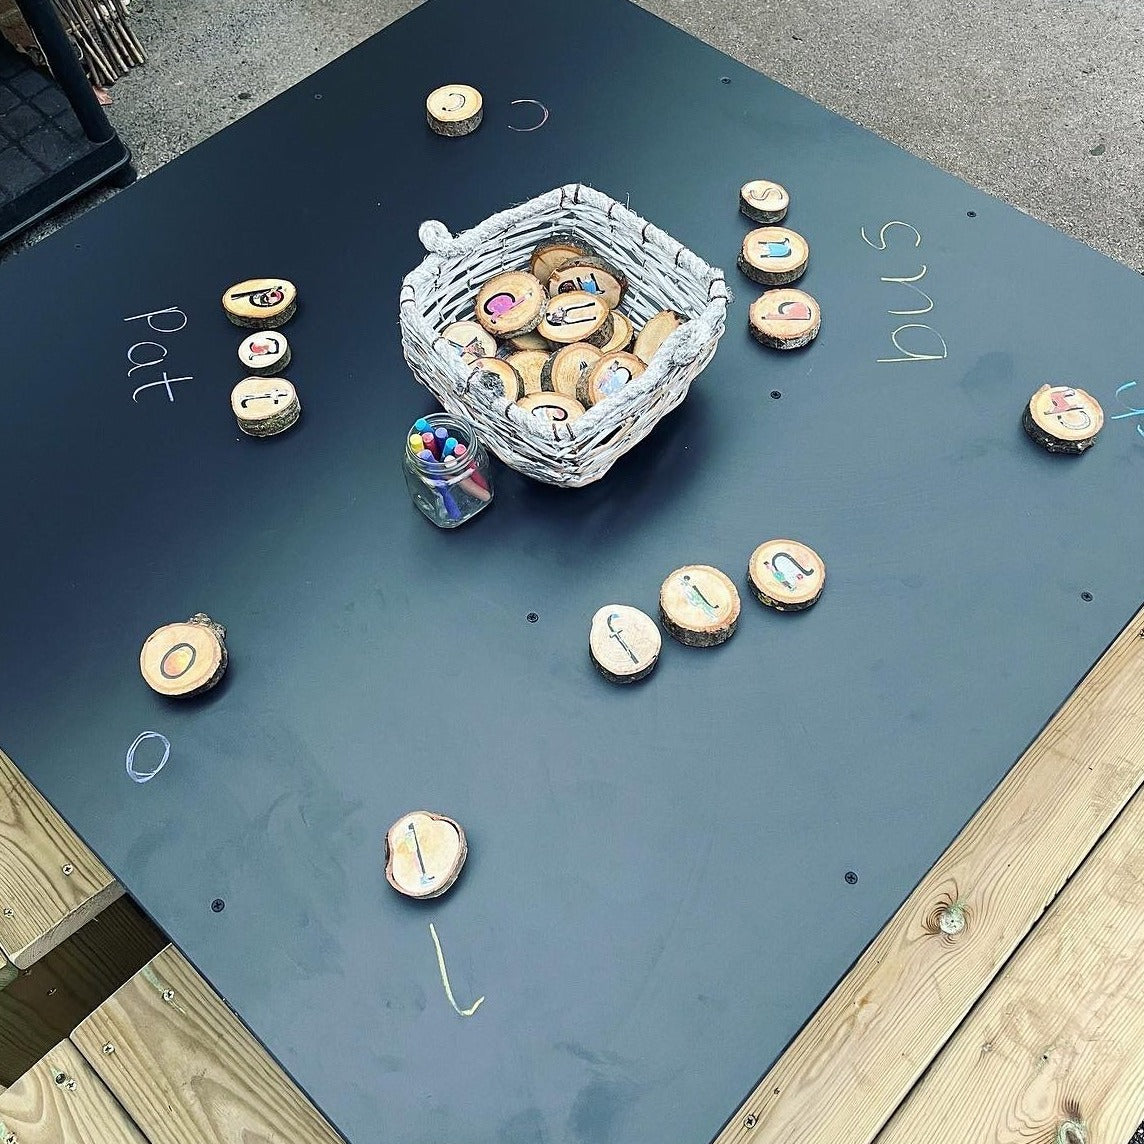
(424, 853)
(184, 659)
(784, 319)
(699, 605)
(261, 302)
(1063, 419)
(454, 109)
(786, 575)
(624, 643)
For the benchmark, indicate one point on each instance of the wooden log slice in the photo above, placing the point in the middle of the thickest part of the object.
(655, 331)
(699, 605)
(784, 319)
(557, 249)
(611, 374)
(786, 575)
(455, 109)
(1063, 419)
(471, 341)
(565, 369)
(530, 341)
(552, 407)
(587, 276)
(264, 352)
(424, 853)
(261, 303)
(577, 317)
(529, 363)
(511, 303)
(764, 201)
(184, 659)
(774, 255)
(265, 406)
(624, 643)
(622, 333)
(497, 375)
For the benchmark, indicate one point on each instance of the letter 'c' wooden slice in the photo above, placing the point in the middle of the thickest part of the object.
(624, 643)
(773, 255)
(786, 575)
(1063, 419)
(424, 853)
(263, 303)
(784, 319)
(184, 659)
(699, 605)
(454, 109)
(552, 407)
(510, 303)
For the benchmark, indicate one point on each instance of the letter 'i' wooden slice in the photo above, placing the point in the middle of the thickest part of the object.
(496, 373)
(1063, 419)
(529, 363)
(470, 340)
(699, 605)
(261, 302)
(264, 352)
(611, 374)
(786, 575)
(577, 317)
(265, 406)
(555, 251)
(773, 255)
(454, 109)
(424, 853)
(784, 319)
(551, 407)
(622, 333)
(764, 201)
(511, 303)
(184, 659)
(624, 643)
(655, 332)
(566, 369)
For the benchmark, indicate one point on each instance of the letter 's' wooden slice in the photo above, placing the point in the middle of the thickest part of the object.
(184, 659)
(551, 407)
(565, 369)
(424, 853)
(784, 319)
(699, 605)
(588, 276)
(611, 374)
(786, 575)
(655, 332)
(529, 363)
(454, 109)
(624, 643)
(261, 302)
(264, 352)
(577, 317)
(495, 373)
(511, 303)
(774, 255)
(264, 406)
(1063, 419)
(764, 201)
(470, 340)
(548, 256)
(622, 333)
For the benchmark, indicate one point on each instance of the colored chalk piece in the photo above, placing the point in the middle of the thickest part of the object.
(624, 643)
(424, 853)
(186, 658)
(265, 406)
(786, 575)
(1063, 419)
(699, 605)
(261, 302)
(454, 110)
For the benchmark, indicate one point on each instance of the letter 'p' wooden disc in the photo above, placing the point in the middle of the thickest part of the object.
(786, 575)
(624, 643)
(424, 853)
(1063, 419)
(263, 303)
(454, 109)
(184, 659)
(699, 605)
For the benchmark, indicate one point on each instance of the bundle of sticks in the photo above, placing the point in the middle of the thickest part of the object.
(106, 42)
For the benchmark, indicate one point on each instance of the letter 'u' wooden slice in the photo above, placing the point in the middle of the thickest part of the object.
(454, 109)
(699, 605)
(773, 255)
(264, 352)
(184, 659)
(786, 575)
(424, 853)
(784, 319)
(1063, 419)
(511, 303)
(764, 201)
(264, 406)
(577, 317)
(261, 302)
(624, 643)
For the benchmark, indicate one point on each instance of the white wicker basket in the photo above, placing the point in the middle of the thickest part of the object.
(662, 274)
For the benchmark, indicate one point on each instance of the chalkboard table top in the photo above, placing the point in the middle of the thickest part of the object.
(662, 880)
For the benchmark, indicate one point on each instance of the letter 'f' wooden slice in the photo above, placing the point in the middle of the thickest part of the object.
(1063, 419)
(424, 853)
(624, 643)
(699, 605)
(184, 659)
(786, 575)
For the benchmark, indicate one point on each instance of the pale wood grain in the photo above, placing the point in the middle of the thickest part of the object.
(856, 1059)
(1055, 1048)
(186, 1069)
(62, 1101)
(50, 882)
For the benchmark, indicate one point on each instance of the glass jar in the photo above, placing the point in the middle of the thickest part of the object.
(448, 475)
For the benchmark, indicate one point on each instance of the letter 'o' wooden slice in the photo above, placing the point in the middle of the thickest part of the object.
(784, 319)
(699, 605)
(261, 302)
(655, 332)
(184, 659)
(786, 575)
(577, 317)
(764, 201)
(454, 109)
(555, 251)
(264, 406)
(552, 407)
(622, 333)
(1063, 419)
(264, 352)
(496, 373)
(624, 643)
(566, 369)
(424, 853)
(470, 340)
(611, 374)
(773, 255)
(511, 303)
(529, 363)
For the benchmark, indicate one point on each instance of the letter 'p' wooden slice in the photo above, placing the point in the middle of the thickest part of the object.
(624, 643)
(264, 303)
(786, 575)
(454, 109)
(699, 605)
(184, 659)
(424, 853)
(1063, 419)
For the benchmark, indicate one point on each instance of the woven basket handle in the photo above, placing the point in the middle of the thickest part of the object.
(435, 237)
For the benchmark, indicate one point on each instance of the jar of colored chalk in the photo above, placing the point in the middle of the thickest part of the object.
(447, 469)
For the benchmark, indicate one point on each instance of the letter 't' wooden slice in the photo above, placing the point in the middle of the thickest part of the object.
(624, 643)
(470, 340)
(511, 303)
(551, 407)
(612, 374)
(261, 302)
(1063, 419)
(566, 369)
(264, 352)
(774, 255)
(699, 605)
(588, 276)
(577, 317)
(184, 659)
(529, 363)
(786, 575)
(265, 406)
(764, 201)
(424, 853)
(784, 319)
(497, 375)
(454, 109)
(556, 250)
(655, 332)
(622, 333)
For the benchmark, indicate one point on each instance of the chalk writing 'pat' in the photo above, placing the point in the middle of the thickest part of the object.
(148, 353)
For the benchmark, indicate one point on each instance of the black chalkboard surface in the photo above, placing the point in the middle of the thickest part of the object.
(655, 896)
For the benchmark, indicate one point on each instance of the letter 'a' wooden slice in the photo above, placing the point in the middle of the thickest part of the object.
(699, 605)
(424, 853)
(454, 109)
(496, 373)
(511, 303)
(624, 643)
(610, 375)
(264, 352)
(551, 407)
(265, 406)
(1063, 419)
(184, 659)
(773, 255)
(655, 332)
(264, 303)
(566, 369)
(577, 317)
(786, 575)
(764, 201)
(784, 319)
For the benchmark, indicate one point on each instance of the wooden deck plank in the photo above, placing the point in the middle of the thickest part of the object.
(1054, 1050)
(185, 1067)
(854, 1062)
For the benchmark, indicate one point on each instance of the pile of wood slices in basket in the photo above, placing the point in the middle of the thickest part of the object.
(554, 338)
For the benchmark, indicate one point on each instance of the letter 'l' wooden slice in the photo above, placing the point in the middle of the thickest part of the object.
(566, 369)
(784, 319)
(786, 575)
(624, 643)
(261, 302)
(454, 109)
(773, 255)
(184, 659)
(655, 332)
(764, 201)
(699, 605)
(265, 406)
(424, 853)
(264, 352)
(1063, 419)
(511, 303)
(577, 317)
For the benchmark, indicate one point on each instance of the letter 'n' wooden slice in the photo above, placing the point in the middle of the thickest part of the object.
(699, 605)
(624, 643)
(1063, 419)
(424, 853)
(786, 575)
(184, 659)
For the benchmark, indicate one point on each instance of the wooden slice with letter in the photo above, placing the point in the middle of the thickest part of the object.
(624, 643)
(261, 302)
(495, 373)
(577, 317)
(454, 109)
(764, 201)
(424, 853)
(264, 406)
(784, 319)
(552, 407)
(774, 255)
(611, 374)
(529, 363)
(786, 575)
(470, 340)
(565, 369)
(184, 659)
(699, 605)
(589, 276)
(654, 333)
(1063, 419)
(548, 256)
(622, 333)
(264, 352)
(511, 303)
